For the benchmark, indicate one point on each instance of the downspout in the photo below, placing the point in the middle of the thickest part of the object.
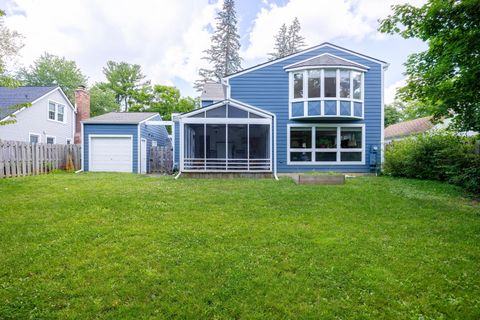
(275, 147)
(178, 175)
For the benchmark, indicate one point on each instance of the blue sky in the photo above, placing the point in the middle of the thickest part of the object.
(167, 38)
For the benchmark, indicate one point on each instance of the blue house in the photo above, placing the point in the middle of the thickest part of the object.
(320, 109)
(120, 141)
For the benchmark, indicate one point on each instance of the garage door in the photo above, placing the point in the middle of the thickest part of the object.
(111, 154)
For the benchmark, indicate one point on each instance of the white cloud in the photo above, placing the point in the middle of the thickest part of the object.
(391, 90)
(320, 20)
(166, 39)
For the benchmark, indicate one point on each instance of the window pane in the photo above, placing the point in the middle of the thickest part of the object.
(300, 138)
(237, 112)
(51, 111)
(314, 83)
(357, 85)
(237, 141)
(301, 156)
(351, 156)
(220, 112)
(194, 141)
(351, 137)
(330, 83)
(216, 144)
(326, 156)
(198, 115)
(298, 85)
(254, 116)
(325, 138)
(60, 113)
(50, 140)
(34, 138)
(259, 141)
(344, 84)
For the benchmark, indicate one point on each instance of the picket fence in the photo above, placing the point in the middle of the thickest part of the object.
(19, 159)
(161, 160)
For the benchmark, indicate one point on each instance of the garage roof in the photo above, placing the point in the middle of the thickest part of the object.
(121, 118)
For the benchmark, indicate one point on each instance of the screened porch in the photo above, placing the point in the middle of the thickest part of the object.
(226, 137)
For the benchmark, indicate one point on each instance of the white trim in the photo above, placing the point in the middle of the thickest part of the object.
(140, 156)
(159, 123)
(325, 44)
(138, 148)
(147, 119)
(235, 103)
(82, 139)
(57, 104)
(35, 134)
(54, 139)
(338, 149)
(227, 120)
(323, 66)
(382, 119)
(90, 136)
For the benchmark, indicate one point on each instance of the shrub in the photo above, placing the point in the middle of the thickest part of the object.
(440, 155)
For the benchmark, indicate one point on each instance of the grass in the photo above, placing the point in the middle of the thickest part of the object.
(129, 246)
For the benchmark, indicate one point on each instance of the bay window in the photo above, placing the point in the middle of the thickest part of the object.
(330, 81)
(314, 84)
(326, 144)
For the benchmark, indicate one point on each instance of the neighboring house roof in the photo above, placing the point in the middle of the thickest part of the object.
(11, 98)
(408, 128)
(121, 118)
(326, 60)
(213, 91)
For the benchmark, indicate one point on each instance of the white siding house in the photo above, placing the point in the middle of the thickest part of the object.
(49, 119)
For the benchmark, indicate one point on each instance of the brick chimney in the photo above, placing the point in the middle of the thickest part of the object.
(82, 103)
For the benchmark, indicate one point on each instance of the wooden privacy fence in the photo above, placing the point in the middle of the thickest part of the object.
(25, 159)
(161, 160)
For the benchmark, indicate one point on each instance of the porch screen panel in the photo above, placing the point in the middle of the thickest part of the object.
(194, 141)
(259, 141)
(216, 135)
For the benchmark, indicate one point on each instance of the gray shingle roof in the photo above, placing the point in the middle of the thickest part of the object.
(326, 60)
(408, 128)
(121, 117)
(213, 91)
(11, 97)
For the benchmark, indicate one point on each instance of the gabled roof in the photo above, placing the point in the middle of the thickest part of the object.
(12, 98)
(326, 60)
(408, 128)
(213, 91)
(232, 102)
(324, 44)
(121, 118)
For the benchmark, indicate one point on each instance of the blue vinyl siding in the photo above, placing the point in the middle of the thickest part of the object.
(267, 88)
(154, 133)
(110, 129)
(176, 147)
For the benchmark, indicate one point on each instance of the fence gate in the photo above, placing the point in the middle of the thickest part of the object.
(161, 160)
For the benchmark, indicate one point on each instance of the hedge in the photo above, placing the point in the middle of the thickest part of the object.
(440, 155)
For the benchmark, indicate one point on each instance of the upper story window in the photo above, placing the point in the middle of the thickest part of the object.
(298, 85)
(56, 111)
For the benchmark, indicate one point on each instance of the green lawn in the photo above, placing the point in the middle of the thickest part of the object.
(129, 246)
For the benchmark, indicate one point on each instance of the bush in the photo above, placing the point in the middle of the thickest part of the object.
(440, 155)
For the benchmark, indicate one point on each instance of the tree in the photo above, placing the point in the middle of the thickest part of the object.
(102, 100)
(281, 43)
(49, 70)
(127, 83)
(392, 115)
(445, 76)
(295, 41)
(167, 100)
(288, 40)
(10, 45)
(223, 54)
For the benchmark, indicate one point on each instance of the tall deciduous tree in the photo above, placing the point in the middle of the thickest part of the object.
(50, 69)
(223, 54)
(288, 40)
(127, 82)
(445, 76)
(102, 100)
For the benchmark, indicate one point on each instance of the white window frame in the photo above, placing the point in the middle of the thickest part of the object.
(305, 99)
(50, 137)
(338, 149)
(34, 134)
(68, 141)
(57, 104)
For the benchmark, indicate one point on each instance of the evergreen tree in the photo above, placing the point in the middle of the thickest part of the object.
(281, 43)
(223, 54)
(295, 41)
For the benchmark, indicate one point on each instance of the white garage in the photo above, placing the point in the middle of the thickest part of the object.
(111, 153)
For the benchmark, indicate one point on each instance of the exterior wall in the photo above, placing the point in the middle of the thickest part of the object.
(35, 120)
(176, 147)
(154, 133)
(267, 88)
(110, 129)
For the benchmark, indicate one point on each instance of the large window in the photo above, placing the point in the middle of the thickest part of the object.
(330, 82)
(335, 144)
(56, 112)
